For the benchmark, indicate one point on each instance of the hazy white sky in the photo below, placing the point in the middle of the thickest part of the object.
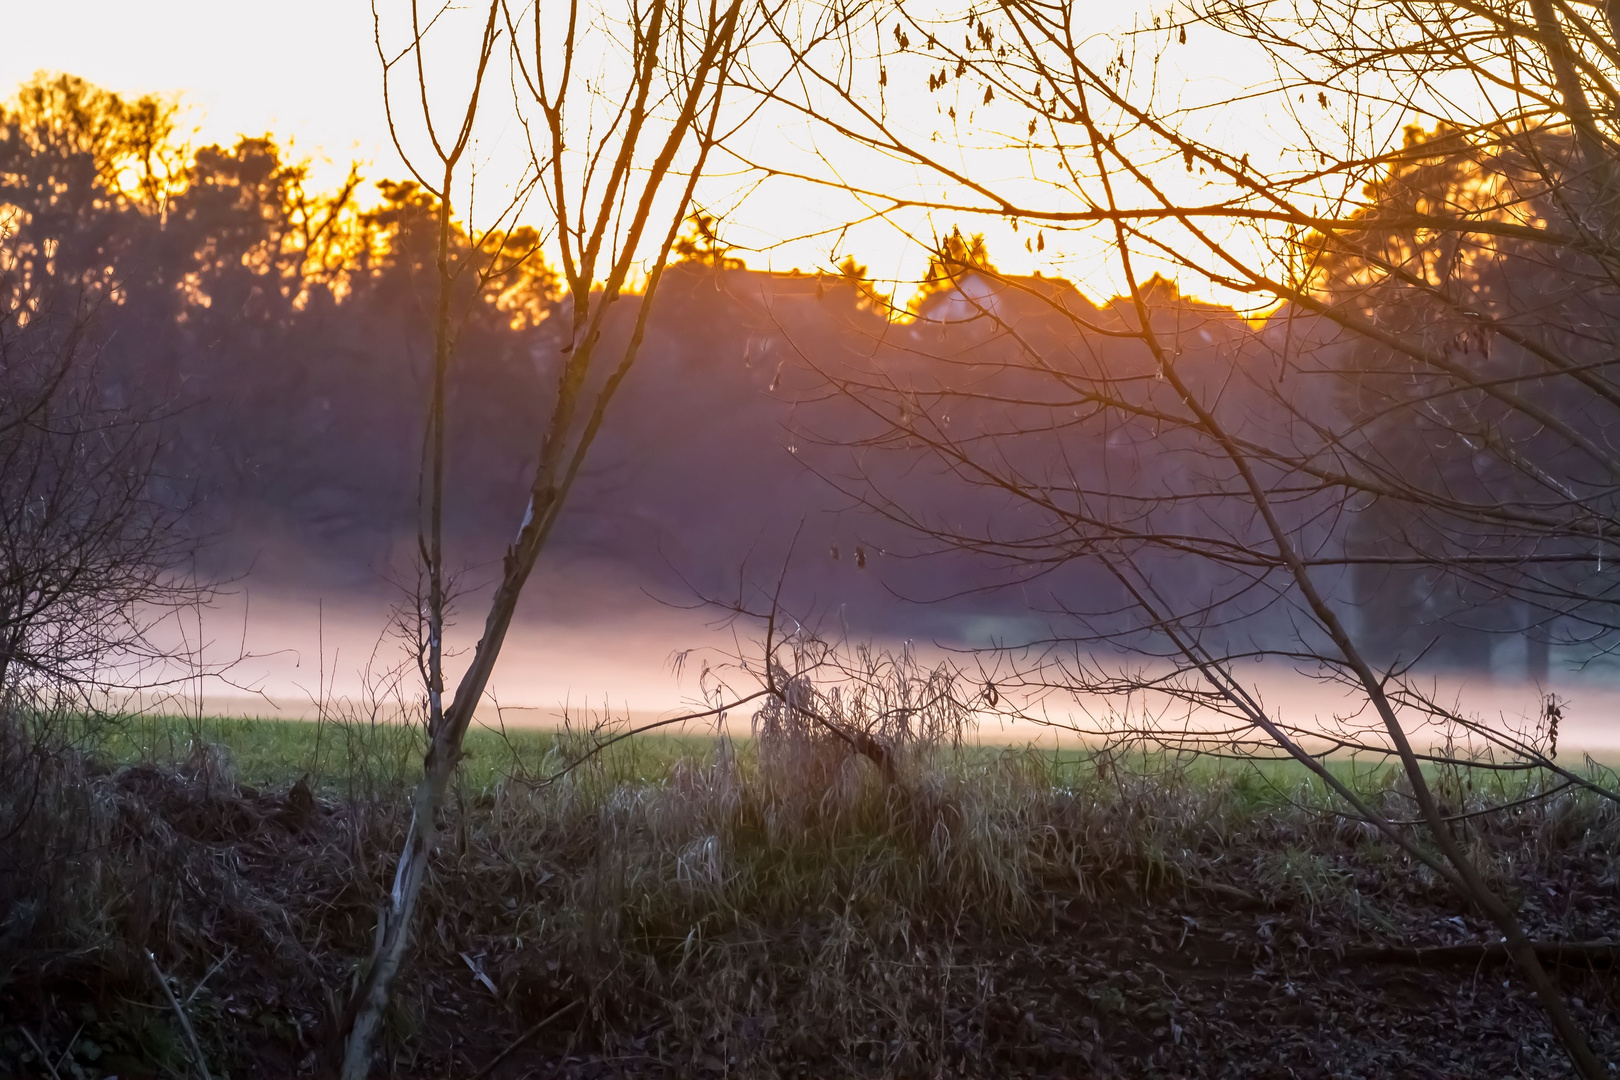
(303, 69)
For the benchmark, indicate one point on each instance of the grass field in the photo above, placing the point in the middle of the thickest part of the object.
(686, 907)
(347, 759)
(343, 758)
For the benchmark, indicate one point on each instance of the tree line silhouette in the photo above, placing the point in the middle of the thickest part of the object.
(283, 331)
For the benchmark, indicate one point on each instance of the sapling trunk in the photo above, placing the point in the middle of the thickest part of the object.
(568, 433)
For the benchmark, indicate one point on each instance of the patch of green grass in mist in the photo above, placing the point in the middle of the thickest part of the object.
(349, 757)
(353, 759)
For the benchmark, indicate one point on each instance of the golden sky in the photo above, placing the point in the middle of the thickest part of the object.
(301, 68)
(306, 71)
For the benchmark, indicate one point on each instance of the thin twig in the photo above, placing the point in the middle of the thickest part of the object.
(230, 952)
(1603, 953)
(45, 1059)
(513, 1046)
(63, 1056)
(179, 1011)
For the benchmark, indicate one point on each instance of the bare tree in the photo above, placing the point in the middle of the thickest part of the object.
(616, 169)
(92, 543)
(1417, 445)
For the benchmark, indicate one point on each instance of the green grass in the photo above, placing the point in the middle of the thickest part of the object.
(355, 759)
(350, 758)
(335, 755)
